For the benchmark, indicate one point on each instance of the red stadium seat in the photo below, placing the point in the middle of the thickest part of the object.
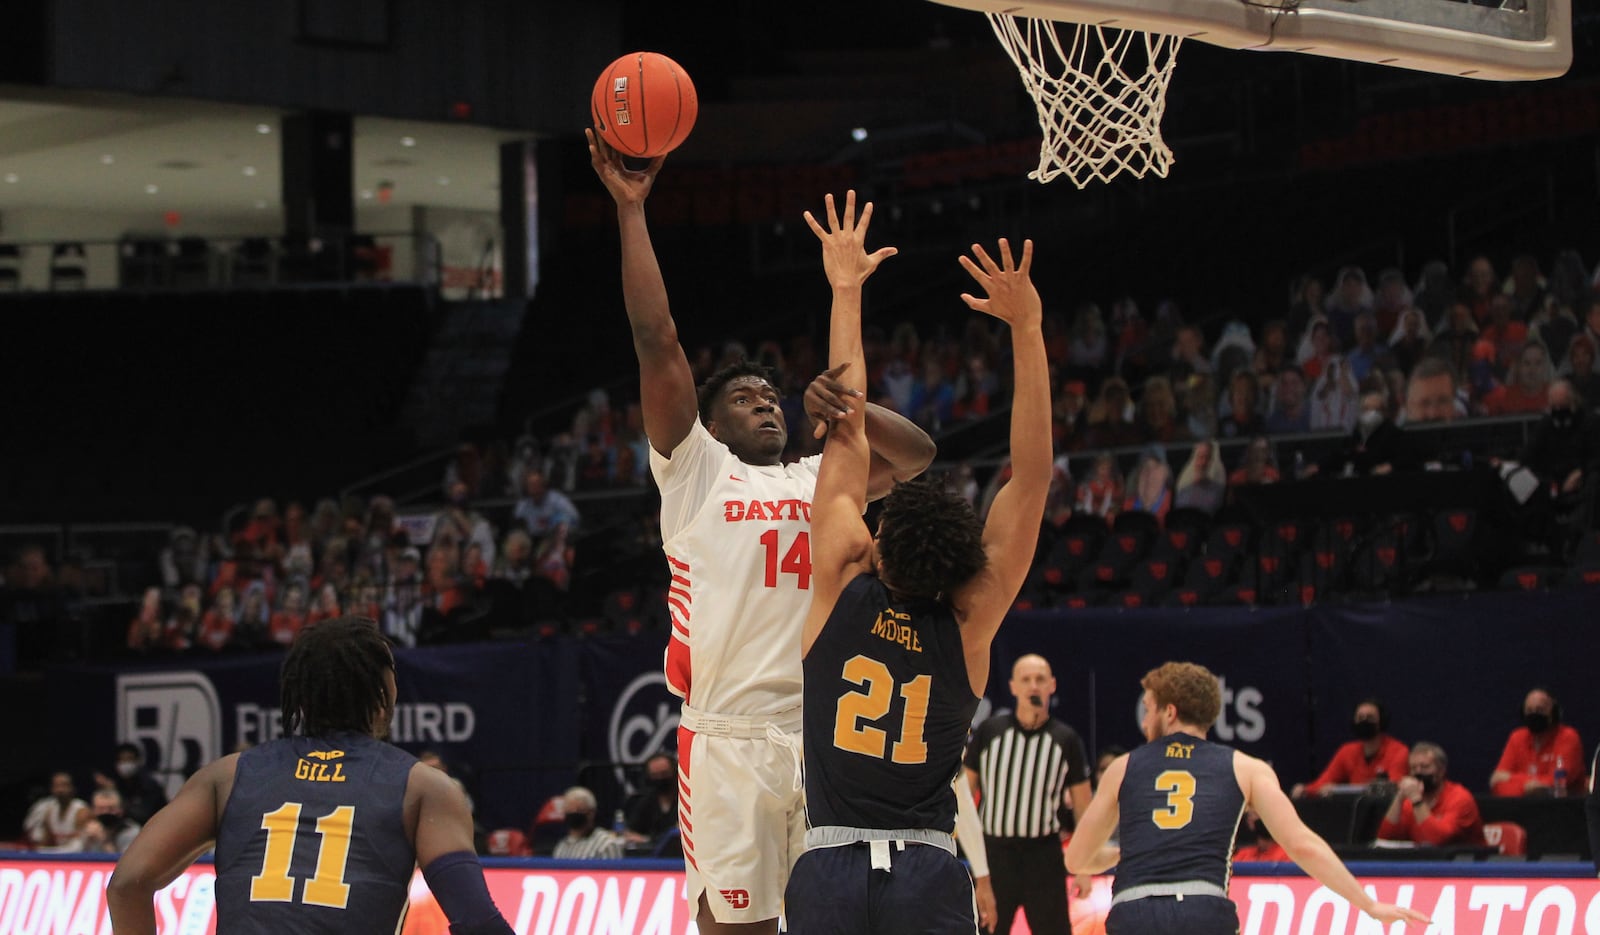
(508, 842)
(1510, 837)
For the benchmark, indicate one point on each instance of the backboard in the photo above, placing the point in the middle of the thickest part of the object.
(1452, 37)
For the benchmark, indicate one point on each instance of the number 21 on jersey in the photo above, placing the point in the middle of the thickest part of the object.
(871, 705)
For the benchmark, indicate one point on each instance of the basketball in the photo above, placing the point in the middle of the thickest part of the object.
(644, 104)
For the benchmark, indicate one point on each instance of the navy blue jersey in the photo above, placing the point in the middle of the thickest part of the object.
(1179, 806)
(313, 838)
(887, 707)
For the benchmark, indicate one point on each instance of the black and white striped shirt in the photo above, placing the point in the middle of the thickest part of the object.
(1022, 774)
(598, 844)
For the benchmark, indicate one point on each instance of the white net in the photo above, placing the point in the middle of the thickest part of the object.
(1100, 96)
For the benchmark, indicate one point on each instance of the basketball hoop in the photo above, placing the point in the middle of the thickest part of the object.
(1100, 95)
(1098, 70)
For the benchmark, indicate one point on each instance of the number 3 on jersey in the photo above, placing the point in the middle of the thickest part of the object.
(1178, 784)
(796, 561)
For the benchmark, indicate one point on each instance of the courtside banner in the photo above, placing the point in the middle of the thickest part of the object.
(631, 714)
(67, 897)
(504, 711)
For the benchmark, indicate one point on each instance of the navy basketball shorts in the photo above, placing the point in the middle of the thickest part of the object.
(835, 891)
(1168, 915)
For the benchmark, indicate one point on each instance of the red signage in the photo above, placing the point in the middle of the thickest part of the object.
(61, 898)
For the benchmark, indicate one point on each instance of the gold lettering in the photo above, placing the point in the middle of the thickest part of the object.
(1181, 751)
(896, 628)
(319, 772)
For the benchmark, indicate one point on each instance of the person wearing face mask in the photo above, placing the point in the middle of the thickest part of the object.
(1564, 453)
(1375, 446)
(585, 840)
(142, 794)
(654, 810)
(1537, 749)
(111, 831)
(1430, 809)
(1372, 755)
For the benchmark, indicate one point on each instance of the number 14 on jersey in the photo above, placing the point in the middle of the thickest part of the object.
(796, 559)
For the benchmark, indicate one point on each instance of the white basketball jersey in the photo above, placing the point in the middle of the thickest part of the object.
(738, 543)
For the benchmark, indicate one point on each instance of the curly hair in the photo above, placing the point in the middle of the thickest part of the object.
(1190, 687)
(711, 390)
(929, 539)
(332, 679)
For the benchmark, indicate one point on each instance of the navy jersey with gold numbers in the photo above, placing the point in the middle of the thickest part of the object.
(313, 838)
(1179, 806)
(887, 708)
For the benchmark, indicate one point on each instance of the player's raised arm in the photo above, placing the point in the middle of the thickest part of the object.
(901, 450)
(1011, 531)
(168, 842)
(841, 546)
(666, 385)
(1263, 793)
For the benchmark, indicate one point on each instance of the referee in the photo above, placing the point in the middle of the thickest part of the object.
(1023, 766)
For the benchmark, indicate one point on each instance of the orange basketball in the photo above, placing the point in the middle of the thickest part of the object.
(644, 104)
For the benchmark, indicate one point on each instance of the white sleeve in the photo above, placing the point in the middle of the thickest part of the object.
(35, 822)
(969, 831)
(687, 476)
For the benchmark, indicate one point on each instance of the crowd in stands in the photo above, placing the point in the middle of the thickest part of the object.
(258, 585)
(1153, 414)
(1156, 416)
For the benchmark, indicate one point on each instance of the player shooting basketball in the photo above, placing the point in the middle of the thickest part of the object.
(897, 639)
(736, 529)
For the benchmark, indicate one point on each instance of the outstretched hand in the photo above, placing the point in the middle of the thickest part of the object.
(1011, 295)
(1386, 913)
(627, 186)
(844, 254)
(827, 399)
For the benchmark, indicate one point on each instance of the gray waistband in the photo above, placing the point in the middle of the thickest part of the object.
(1186, 888)
(745, 726)
(838, 836)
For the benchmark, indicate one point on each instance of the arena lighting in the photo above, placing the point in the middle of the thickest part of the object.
(107, 159)
(249, 170)
(263, 129)
(408, 141)
(12, 178)
(151, 189)
(858, 134)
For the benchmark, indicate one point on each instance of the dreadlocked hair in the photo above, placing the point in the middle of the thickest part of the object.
(332, 679)
(930, 540)
(711, 390)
